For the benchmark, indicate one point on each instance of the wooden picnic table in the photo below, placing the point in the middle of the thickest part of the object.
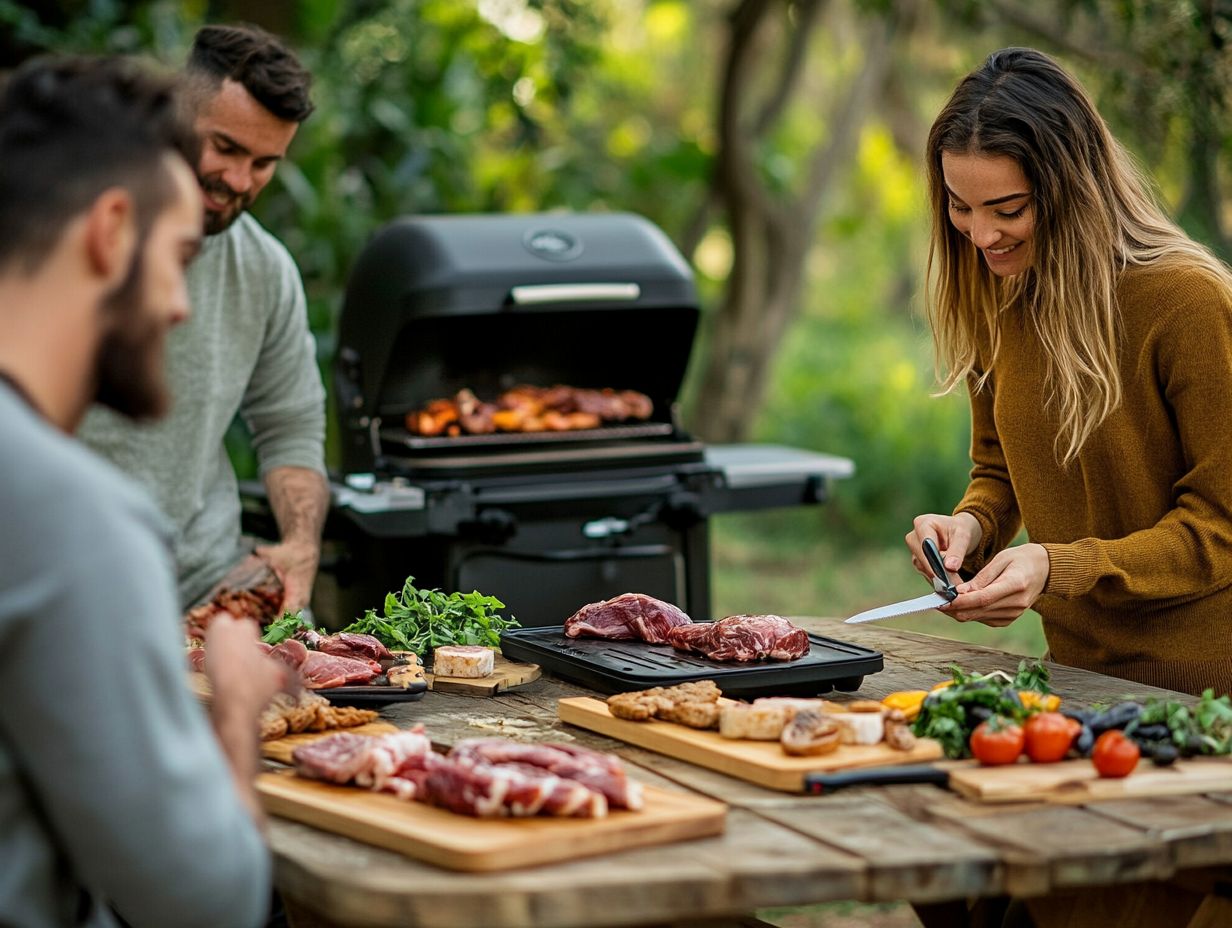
(1165, 860)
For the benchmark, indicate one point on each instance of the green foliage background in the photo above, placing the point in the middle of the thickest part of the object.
(442, 106)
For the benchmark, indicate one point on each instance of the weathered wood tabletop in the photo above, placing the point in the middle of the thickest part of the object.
(916, 843)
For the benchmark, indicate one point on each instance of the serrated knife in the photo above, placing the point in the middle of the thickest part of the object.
(945, 592)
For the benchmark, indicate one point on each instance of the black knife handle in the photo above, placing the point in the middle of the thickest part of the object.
(820, 783)
(933, 556)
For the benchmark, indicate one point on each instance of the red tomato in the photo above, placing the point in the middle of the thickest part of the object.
(996, 742)
(1048, 736)
(1114, 755)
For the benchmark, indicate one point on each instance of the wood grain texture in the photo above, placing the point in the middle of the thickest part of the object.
(459, 842)
(505, 675)
(760, 762)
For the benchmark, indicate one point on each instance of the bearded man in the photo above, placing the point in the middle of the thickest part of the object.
(247, 349)
(117, 802)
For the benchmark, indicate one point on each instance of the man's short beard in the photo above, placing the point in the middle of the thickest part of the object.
(218, 222)
(130, 364)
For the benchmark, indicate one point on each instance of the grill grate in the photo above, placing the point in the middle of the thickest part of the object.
(405, 440)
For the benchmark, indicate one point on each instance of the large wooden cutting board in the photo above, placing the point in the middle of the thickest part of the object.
(760, 762)
(505, 675)
(458, 842)
(1074, 782)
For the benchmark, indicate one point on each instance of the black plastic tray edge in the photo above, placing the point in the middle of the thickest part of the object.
(372, 696)
(733, 681)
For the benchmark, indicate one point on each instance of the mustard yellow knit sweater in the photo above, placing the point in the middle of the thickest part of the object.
(1138, 529)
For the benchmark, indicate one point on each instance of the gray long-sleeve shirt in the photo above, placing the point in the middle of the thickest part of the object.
(112, 785)
(246, 349)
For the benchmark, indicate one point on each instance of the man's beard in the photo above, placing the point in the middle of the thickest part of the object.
(216, 222)
(130, 361)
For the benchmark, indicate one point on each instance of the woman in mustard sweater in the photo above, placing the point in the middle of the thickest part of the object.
(1095, 340)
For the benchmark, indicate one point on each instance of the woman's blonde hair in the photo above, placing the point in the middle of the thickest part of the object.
(1094, 214)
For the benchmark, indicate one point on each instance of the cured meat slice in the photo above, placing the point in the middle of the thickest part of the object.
(335, 759)
(600, 772)
(628, 617)
(743, 638)
(509, 790)
(325, 671)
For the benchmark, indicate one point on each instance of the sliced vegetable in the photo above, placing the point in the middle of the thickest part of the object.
(908, 702)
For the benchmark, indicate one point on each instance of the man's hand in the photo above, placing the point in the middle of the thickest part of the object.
(243, 680)
(295, 563)
(1007, 586)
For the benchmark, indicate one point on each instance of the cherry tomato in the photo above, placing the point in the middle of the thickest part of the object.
(996, 742)
(1048, 736)
(1114, 755)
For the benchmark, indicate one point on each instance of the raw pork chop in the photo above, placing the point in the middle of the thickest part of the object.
(743, 638)
(630, 616)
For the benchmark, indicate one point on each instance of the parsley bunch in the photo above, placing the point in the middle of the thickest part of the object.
(419, 620)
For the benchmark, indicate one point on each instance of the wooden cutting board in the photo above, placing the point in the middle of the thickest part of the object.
(760, 762)
(280, 749)
(1075, 782)
(458, 842)
(505, 675)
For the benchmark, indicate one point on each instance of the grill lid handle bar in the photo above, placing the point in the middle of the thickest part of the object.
(536, 294)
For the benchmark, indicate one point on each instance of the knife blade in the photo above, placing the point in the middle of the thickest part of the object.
(945, 592)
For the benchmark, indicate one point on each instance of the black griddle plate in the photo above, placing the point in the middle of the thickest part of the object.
(618, 666)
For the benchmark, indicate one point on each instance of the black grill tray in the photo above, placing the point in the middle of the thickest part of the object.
(618, 666)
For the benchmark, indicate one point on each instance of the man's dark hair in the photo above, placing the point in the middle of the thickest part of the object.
(258, 61)
(71, 128)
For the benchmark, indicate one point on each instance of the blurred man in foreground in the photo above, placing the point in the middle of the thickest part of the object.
(247, 349)
(115, 798)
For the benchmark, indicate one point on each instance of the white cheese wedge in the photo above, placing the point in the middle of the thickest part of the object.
(463, 660)
(752, 723)
(859, 727)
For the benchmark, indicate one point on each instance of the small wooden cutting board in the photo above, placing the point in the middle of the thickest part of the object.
(1073, 782)
(459, 842)
(505, 675)
(760, 762)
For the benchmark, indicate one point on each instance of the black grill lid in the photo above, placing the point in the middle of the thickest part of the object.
(438, 303)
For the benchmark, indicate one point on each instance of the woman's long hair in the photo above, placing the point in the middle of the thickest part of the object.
(1094, 214)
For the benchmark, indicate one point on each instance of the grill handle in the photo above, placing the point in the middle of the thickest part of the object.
(537, 294)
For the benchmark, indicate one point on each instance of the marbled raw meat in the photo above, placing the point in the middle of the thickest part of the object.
(628, 617)
(346, 644)
(325, 671)
(743, 638)
(597, 771)
(509, 790)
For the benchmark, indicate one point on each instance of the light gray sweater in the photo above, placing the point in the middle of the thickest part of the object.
(113, 790)
(245, 350)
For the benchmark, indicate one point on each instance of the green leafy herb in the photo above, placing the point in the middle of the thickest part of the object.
(951, 714)
(419, 620)
(1205, 726)
(1032, 675)
(281, 629)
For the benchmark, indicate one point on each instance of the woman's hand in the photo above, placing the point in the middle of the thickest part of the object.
(1007, 586)
(956, 537)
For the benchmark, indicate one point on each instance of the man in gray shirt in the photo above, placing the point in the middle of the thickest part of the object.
(116, 798)
(247, 349)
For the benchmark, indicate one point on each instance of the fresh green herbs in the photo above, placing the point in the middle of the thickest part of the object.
(1202, 728)
(280, 630)
(419, 620)
(950, 714)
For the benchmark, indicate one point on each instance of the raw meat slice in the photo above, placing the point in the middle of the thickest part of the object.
(345, 644)
(325, 671)
(597, 771)
(628, 617)
(335, 759)
(291, 652)
(509, 790)
(743, 638)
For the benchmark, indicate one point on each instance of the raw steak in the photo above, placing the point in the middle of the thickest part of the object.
(395, 763)
(505, 790)
(345, 644)
(743, 638)
(325, 671)
(630, 616)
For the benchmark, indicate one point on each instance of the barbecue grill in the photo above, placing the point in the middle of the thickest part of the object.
(546, 521)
